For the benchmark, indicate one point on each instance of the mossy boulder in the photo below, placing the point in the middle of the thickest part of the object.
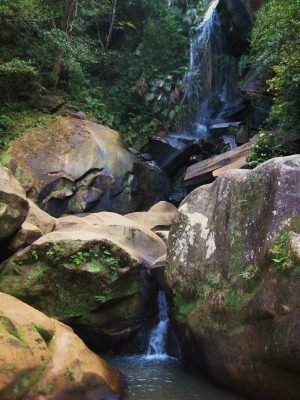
(43, 359)
(13, 204)
(74, 166)
(234, 278)
(93, 277)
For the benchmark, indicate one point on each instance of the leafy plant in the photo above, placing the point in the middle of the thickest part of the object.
(275, 55)
(249, 273)
(266, 147)
(34, 255)
(279, 252)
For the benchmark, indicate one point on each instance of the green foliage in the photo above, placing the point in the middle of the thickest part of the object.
(34, 255)
(130, 82)
(183, 304)
(80, 257)
(279, 252)
(266, 147)
(96, 260)
(276, 56)
(249, 273)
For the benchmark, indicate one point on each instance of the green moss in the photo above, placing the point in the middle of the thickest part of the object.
(47, 336)
(237, 299)
(279, 252)
(183, 305)
(280, 259)
(38, 271)
(21, 175)
(95, 260)
(5, 158)
(65, 279)
(14, 123)
(26, 380)
(7, 326)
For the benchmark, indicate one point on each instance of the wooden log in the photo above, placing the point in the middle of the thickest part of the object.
(204, 168)
(239, 163)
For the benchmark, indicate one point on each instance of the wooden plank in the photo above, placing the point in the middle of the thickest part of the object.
(239, 163)
(199, 180)
(217, 162)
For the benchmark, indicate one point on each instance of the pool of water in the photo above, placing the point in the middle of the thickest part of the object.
(162, 378)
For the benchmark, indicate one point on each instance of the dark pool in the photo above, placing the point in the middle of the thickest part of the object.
(164, 379)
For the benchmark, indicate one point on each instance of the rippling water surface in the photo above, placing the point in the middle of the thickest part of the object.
(162, 378)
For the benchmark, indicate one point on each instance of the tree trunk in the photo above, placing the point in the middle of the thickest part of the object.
(111, 25)
(67, 26)
(105, 43)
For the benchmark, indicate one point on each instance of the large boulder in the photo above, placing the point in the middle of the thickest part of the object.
(13, 204)
(74, 166)
(25, 236)
(92, 275)
(40, 358)
(136, 238)
(159, 217)
(233, 274)
(37, 217)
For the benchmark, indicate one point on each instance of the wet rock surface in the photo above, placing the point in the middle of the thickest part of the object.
(233, 275)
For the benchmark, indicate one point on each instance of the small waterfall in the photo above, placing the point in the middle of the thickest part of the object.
(158, 335)
(210, 79)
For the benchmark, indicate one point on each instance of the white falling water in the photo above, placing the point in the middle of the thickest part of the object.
(203, 77)
(200, 44)
(158, 335)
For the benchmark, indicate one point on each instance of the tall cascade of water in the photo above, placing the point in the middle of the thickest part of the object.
(158, 335)
(210, 79)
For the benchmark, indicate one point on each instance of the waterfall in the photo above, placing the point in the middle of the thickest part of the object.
(158, 335)
(210, 79)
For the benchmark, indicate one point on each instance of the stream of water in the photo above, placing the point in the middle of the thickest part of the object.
(210, 81)
(158, 335)
(156, 376)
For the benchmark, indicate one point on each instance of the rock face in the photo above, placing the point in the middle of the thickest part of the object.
(13, 204)
(43, 359)
(234, 275)
(159, 217)
(25, 236)
(75, 166)
(37, 217)
(93, 275)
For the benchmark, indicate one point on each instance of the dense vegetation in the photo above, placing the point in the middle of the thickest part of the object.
(122, 62)
(275, 54)
(119, 61)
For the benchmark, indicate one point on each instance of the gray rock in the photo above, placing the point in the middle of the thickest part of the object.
(75, 166)
(233, 274)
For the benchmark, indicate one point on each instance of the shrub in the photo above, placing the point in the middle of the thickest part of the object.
(276, 55)
(266, 147)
